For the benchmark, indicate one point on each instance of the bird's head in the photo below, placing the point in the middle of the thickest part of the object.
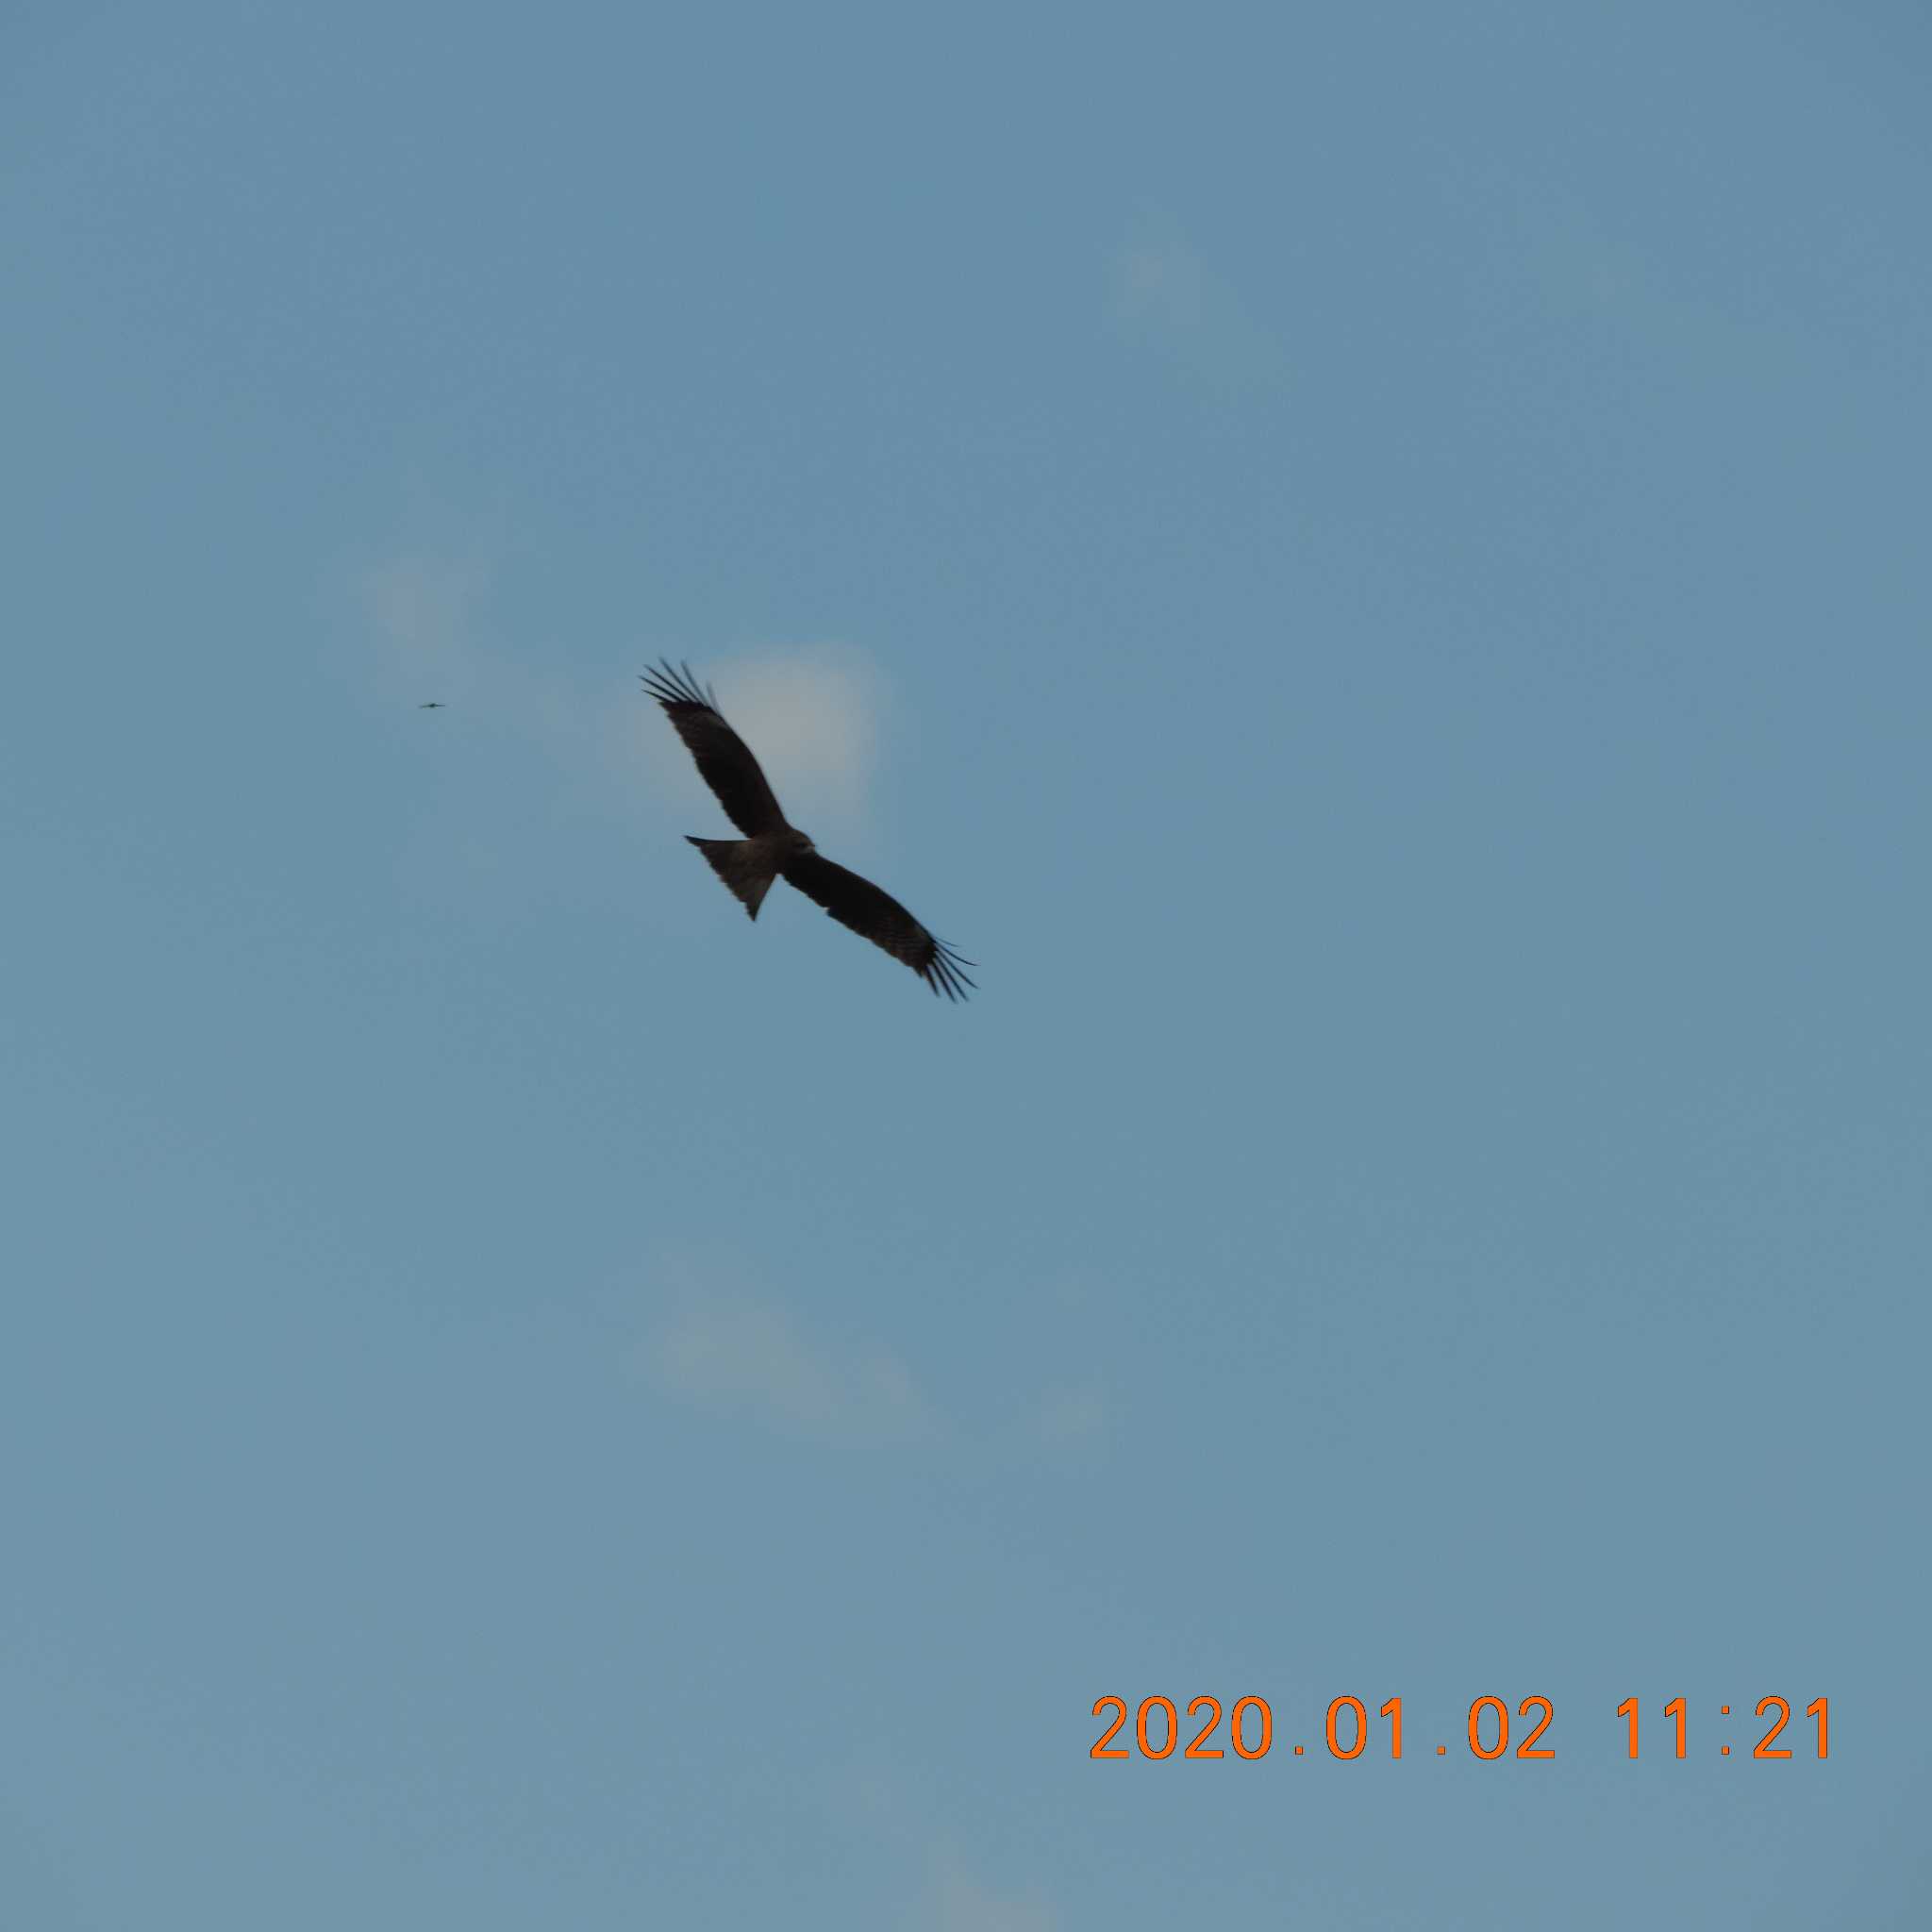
(801, 841)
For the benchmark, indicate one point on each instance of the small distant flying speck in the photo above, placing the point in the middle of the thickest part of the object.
(434, 705)
(773, 849)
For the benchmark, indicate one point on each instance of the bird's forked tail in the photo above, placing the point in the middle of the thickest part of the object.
(744, 864)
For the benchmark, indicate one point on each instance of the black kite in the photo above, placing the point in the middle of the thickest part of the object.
(772, 848)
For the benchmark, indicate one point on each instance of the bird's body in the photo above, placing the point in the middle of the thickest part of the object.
(748, 866)
(774, 848)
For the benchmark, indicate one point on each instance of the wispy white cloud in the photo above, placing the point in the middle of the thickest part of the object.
(879, 1796)
(1168, 295)
(1071, 1414)
(960, 1903)
(428, 612)
(752, 1359)
(810, 710)
(718, 1344)
(420, 609)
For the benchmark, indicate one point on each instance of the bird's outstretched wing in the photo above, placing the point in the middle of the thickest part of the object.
(880, 918)
(724, 759)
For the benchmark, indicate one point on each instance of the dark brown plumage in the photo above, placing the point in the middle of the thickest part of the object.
(772, 848)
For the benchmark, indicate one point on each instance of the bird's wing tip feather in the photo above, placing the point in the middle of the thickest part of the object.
(943, 973)
(673, 684)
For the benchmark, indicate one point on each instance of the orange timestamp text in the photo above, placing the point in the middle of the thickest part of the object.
(1158, 1731)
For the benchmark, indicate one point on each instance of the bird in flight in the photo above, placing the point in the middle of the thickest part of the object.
(434, 705)
(772, 848)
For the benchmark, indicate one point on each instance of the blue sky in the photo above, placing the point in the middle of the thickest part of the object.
(1367, 563)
